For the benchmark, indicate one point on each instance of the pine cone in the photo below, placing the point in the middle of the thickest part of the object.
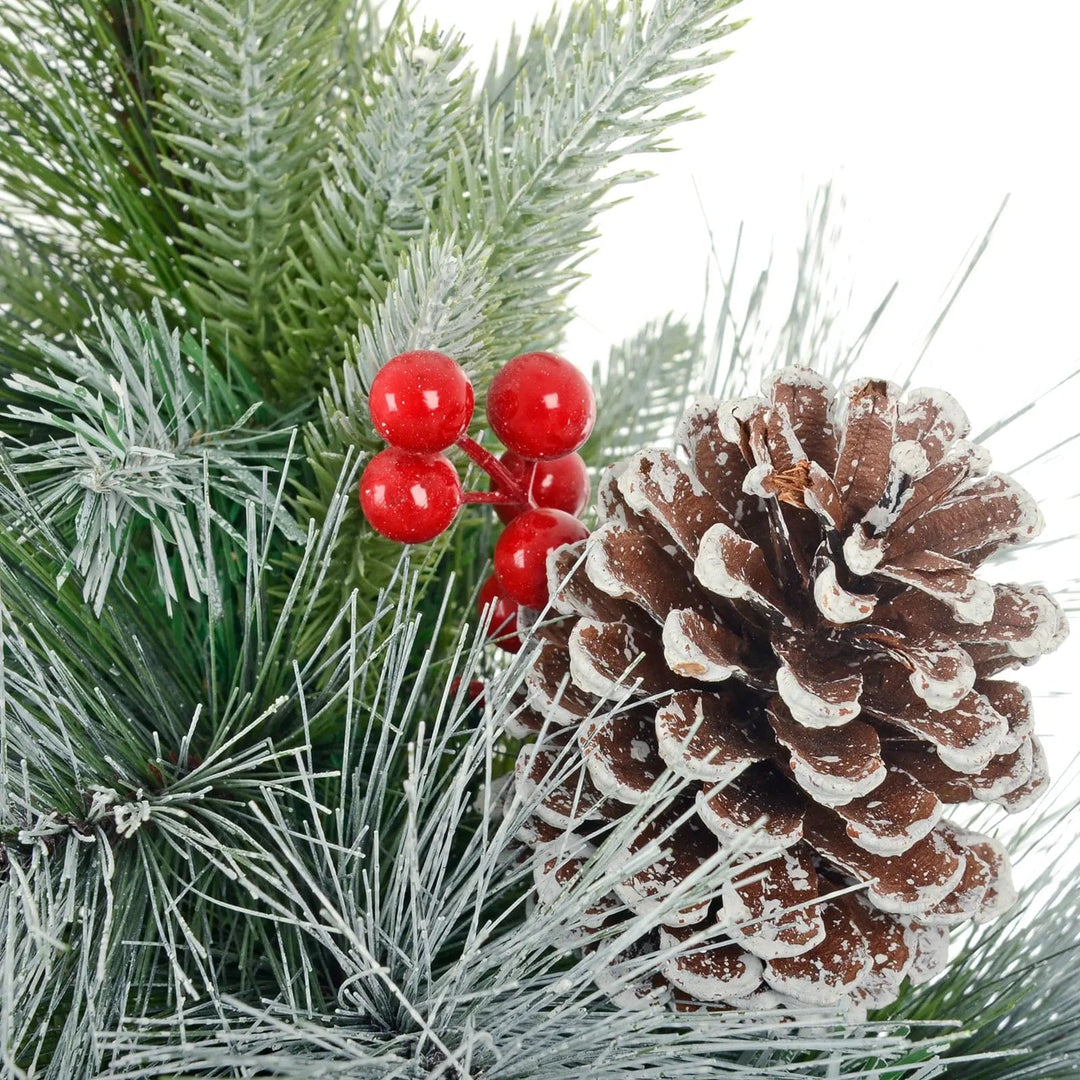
(808, 645)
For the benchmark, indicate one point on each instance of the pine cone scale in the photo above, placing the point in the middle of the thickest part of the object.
(906, 886)
(818, 691)
(756, 799)
(826, 973)
(834, 764)
(894, 817)
(704, 737)
(862, 469)
(770, 908)
(656, 483)
(713, 973)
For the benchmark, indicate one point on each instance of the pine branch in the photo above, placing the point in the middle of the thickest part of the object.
(643, 389)
(85, 707)
(398, 883)
(247, 107)
(128, 769)
(380, 193)
(78, 162)
(606, 91)
(810, 333)
(424, 156)
(139, 444)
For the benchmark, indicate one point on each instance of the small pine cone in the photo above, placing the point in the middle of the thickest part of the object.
(809, 647)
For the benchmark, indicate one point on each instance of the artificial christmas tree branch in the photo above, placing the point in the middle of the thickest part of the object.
(71, 164)
(248, 113)
(151, 432)
(436, 969)
(666, 354)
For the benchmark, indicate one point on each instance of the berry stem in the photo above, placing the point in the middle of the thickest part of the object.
(496, 470)
(502, 498)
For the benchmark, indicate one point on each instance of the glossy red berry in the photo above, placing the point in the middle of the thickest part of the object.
(474, 691)
(561, 484)
(541, 406)
(409, 497)
(421, 401)
(503, 626)
(521, 552)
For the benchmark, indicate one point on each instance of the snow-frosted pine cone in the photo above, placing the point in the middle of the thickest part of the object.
(812, 650)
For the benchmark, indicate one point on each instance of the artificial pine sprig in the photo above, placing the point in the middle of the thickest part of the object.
(139, 443)
(401, 127)
(667, 355)
(399, 908)
(85, 204)
(128, 767)
(249, 100)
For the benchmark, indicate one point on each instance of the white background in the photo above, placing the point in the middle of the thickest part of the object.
(924, 116)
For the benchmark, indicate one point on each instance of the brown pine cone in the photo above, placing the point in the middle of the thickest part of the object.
(791, 601)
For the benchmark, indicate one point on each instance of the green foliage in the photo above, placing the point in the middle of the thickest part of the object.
(555, 147)
(88, 704)
(128, 769)
(248, 97)
(1012, 988)
(139, 444)
(519, 171)
(387, 172)
(84, 212)
(643, 389)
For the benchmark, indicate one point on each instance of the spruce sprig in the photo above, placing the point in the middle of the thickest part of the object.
(400, 128)
(247, 114)
(666, 355)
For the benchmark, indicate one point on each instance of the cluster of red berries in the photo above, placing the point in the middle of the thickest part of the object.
(541, 408)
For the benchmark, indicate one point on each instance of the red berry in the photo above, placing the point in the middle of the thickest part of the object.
(409, 497)
(561, 484)
(474, 691)
(541, 406)
(522, 550)
(421, 401)
(503, 626)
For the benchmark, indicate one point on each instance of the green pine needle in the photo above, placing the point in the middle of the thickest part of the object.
(247, 106)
